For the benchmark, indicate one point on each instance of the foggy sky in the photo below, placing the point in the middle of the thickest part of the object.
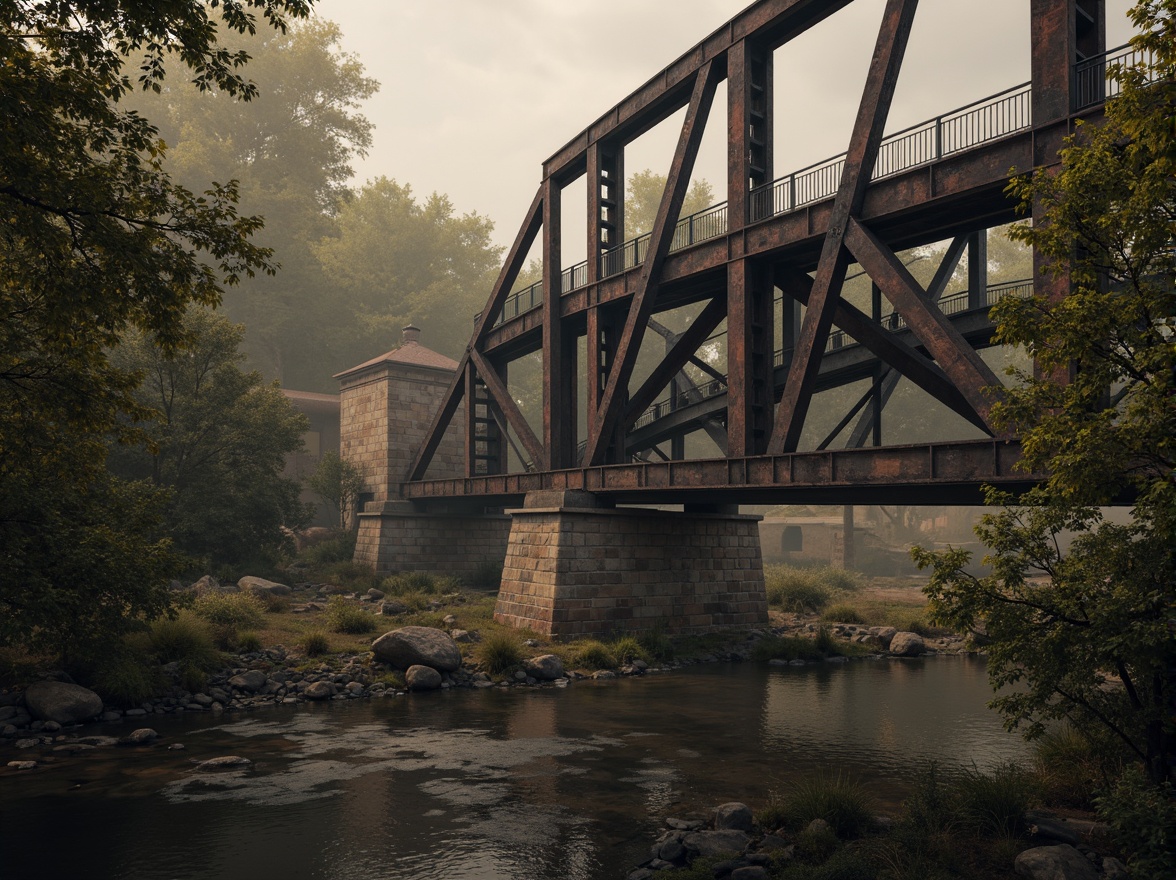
(475, 94)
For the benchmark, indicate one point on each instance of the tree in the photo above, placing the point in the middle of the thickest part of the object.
(96, 240)
(218, 442)
(398, 260)
(338, 482)
(1083, 633)
(290, 149)
(643, 195)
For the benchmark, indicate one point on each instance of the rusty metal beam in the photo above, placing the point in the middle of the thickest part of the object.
(676, 358)
(750, 357)
(859, 160)
(510, 409)
(445, 413)
(641, 307)
(963, 365)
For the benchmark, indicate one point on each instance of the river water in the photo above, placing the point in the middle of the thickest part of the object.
(543, 784)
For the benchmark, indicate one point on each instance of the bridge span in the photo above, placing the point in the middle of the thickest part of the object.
(771, 263)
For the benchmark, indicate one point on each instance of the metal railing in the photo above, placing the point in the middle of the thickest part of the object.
(699, 227)
(985, 120)
(675, 402)
(1091, 85)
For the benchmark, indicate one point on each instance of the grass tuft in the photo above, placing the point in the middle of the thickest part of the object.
(500, 652)
(592, 654)
(626, 649)
(837, 798)
(842, 612)
(343, 617)
(231, 609)
(315, 643)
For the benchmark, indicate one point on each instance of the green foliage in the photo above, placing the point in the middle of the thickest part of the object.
(500, 652)
(1082, 633)
(127, 678)
(842, 613)
(657, 643)
(798, 590)
(994, 803)
(343, 617)
(838, 799)
(248, 642)
(410, 582)
(184, 639)
(340, 548)
(1071, 765)
(847, 863)
(487, 574)
(97, 241)
(627, 649)
(315, 643)
(1143, 816)
(291, 150)
(824, 642)
(230, 609)
(218, 441)
(591, 654)
(816, 845)
(338, 482)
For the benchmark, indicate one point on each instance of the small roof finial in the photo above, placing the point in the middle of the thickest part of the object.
(410, 333)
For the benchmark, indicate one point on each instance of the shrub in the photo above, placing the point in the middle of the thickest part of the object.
(816, 846)
(840, 579)
(1071, 765)
(657, 643)
(592, 654)
(795, 589)
(838, 799)
(233, 609)
(842, 613)
(824, 642)
(627, 649)
(343, 617)
(340, 548)
(487, 574)
(184, 639)
(410, 582)
(995, 803)
(1143, 819)
(272, 603)
(315, 643)
(248, 642)
(500, 652)
(127, 679)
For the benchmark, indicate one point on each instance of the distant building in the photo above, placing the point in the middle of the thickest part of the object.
(321, 437)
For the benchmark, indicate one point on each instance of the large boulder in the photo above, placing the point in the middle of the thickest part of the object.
(733, 815)
(418, 645)
(260, 585)
(209, 584)
(1054, 863)
(907, 644)
(61, 702)
(546, 667)
(422, 678)
(252, 680)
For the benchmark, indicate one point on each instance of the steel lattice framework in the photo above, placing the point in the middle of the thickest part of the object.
(944, 179)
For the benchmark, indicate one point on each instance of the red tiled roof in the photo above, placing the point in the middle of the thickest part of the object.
(411, 353)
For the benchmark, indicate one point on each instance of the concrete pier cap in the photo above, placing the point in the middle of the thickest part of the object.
(577, 567)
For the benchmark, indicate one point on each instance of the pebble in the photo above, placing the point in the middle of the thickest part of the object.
(22, 765)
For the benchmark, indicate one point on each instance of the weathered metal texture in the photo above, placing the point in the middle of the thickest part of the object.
(955, 191)
(931, 473)
(613, 402)
(859, 159)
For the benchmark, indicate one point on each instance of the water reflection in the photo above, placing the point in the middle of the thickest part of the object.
(494, 783)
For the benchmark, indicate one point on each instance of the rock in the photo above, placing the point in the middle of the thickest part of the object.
(7, 712)
(375, 595)
(209, 584)
(683, 824)
(713, 843)
(672, 850)
(642, 874)
(319, 690)
(773, 843)
(733, 815)
(751, 872)
(141, 736)
(261, 585)
(1113, 869)
(546, 667)
(818, 826)
(418, 645)
(391, 607)
(462, 636)
(1061, 862)
(61, 702)
(26, 743)
(51, 727)
(449, 620)
(98, 740)
(252, 680)
(422, 678)
(22, 765)
(1046, 828)
(907, 644)
(884, 634)
(224, 762)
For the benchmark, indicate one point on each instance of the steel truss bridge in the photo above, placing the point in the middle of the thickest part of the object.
(790, 237)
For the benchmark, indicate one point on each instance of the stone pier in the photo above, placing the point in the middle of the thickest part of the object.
(394, 537)
(574, 569)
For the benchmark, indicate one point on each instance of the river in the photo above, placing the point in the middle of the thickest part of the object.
(545, 784)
